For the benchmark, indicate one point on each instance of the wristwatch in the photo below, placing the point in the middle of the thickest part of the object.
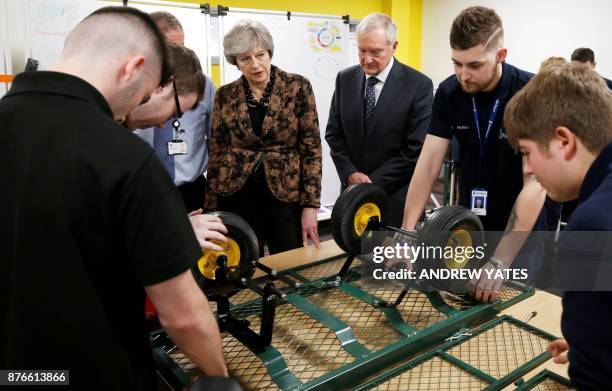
(497, 263)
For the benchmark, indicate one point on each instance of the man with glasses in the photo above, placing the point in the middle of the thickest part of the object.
(165, 110)
(188, 160)
(166, 105)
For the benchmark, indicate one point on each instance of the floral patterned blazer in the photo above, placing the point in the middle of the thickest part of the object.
(289, 146)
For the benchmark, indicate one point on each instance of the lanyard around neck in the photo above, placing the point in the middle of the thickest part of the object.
(492, 116)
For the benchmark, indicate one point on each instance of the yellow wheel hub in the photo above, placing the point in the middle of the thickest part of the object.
(459, 238)
(208, 263)
(363, 215)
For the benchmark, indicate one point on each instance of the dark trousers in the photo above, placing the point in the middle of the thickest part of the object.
(276, 223)
(193, 193)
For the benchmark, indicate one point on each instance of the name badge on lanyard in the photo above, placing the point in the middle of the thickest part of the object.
(479, 195)
(177, 146)
(478, 201)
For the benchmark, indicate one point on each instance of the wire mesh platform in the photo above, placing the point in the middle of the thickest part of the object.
(476, 359)
(434, 374)
(332, 334)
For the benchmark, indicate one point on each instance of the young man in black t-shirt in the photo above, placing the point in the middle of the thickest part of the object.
(91, 221)
(469, 106)
(562, 124)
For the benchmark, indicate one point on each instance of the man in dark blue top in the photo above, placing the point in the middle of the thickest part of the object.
(470, 106)
(586, 56)
(562, 124)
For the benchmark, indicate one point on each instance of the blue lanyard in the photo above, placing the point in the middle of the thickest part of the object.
(492, 116)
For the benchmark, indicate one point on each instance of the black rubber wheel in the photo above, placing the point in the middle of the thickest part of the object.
(357, 200)
(454, 226)
(242, 249)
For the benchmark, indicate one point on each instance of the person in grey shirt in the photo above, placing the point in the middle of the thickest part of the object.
(187, 170)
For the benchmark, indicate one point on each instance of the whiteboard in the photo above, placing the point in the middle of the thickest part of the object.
(314, 46)
(51, 20)
(5, 65)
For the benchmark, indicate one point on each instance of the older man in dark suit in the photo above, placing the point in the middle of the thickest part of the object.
(379, 115)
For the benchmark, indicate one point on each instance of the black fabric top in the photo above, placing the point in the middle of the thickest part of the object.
(89, 216)
(587, 316)
(257, 115)
(500, 170)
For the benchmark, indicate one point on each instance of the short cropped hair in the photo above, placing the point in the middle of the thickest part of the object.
(89, 35)
(166, 21)
(475, 26)
(552, 61)
(243, 37)
(573, 96)
(377, 21)
(583, 55)
(187, 71)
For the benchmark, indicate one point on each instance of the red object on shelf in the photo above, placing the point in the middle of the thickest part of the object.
(150, 311)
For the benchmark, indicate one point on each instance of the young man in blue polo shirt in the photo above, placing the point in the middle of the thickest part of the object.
(562, 124)
(586, 57)
(469, 106)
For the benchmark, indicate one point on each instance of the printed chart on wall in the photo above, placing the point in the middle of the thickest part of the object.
(51, 20)
(314, 46)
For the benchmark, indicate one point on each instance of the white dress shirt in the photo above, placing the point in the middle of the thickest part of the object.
(382, 77)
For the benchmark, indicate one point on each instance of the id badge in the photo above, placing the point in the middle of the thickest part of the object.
(177, 147)
(478, 201)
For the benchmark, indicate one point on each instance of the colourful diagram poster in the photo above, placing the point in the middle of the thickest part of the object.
(325, 36)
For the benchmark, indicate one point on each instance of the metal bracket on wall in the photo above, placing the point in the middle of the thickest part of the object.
(221, 10)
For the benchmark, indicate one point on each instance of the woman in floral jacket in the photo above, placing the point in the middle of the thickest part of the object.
(265, 152)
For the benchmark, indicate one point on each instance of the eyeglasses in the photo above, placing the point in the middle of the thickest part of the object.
(179, 113)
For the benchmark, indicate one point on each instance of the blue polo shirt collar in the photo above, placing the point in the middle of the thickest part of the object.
(502, 88)
(598, 171)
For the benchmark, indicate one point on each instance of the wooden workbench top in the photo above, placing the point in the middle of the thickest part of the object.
(548, 318)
